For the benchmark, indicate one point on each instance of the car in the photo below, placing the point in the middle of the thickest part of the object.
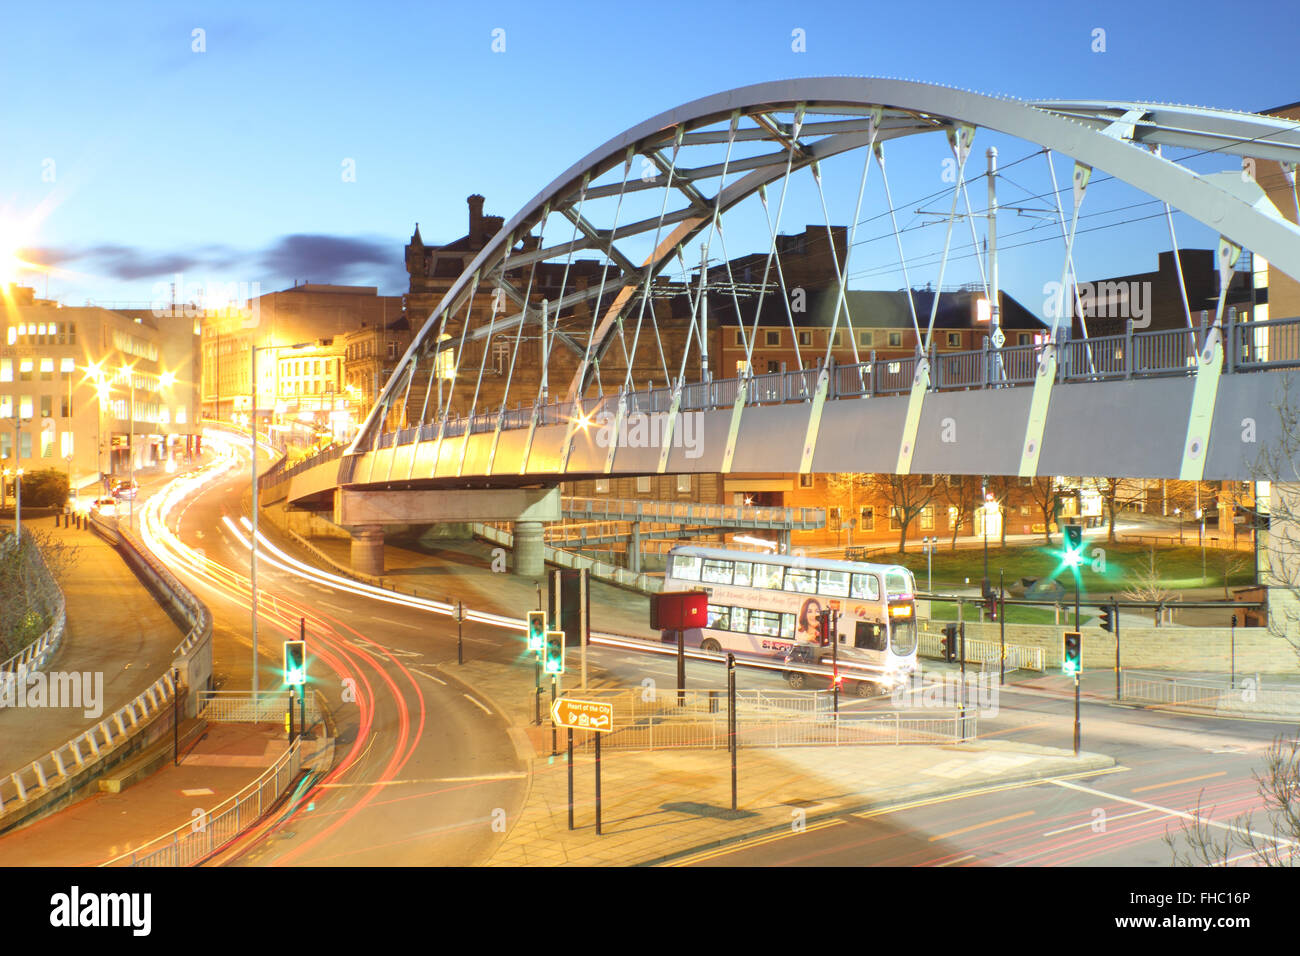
(126, 490)
(106, 507)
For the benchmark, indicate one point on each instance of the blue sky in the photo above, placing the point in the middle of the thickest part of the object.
(226, 164)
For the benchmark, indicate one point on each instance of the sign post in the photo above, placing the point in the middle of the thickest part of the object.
(731, 721)
(593, 715)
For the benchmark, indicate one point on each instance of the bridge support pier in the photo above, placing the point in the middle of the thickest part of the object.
(530, 558)
(368, 549)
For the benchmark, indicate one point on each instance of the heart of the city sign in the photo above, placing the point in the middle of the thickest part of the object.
(583, 714)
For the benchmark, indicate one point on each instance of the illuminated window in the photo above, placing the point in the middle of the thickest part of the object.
(25, 407)
(6, 370)
(47, 369)
(67, 365)
(65, 448)
(25, 370)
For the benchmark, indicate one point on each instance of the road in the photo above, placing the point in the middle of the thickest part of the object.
(427, 771)
(1167, 763)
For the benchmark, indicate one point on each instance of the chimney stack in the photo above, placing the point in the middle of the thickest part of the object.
(476, 237)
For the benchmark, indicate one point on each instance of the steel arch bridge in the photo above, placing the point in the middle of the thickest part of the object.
(1170, 403)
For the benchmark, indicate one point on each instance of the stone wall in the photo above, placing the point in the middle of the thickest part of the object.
(1208, 649)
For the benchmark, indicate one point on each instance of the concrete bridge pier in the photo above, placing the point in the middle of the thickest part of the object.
(366, 512)
(530, 556)
(368, 549)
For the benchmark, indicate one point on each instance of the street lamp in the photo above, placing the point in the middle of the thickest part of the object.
(1200, 516)
(252, 431)
(929, 542)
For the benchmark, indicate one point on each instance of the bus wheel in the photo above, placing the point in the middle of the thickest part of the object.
(795, 680)
(864, 688)
(711, 646)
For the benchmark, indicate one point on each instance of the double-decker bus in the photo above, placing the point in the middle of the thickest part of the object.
(768, 605)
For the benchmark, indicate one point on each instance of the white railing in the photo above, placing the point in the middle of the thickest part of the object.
(241, 707)
(192, 842)
(88, 747)
(709, 730)
(985, 652)
(1246, 694)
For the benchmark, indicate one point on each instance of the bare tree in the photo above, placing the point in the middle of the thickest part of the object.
(906, 498)
(1005, 490)
(1116, 494)
(1230, 562)
(1147, 584)
(1042, 492)
(850, 487)
(1196, 843)
(961, 493)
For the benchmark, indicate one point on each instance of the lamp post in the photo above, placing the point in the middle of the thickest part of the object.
(1200, 516)
(928, 542)
(252, 431)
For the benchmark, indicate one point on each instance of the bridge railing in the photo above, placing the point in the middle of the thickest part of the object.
(1132, 354)
(1270, 344)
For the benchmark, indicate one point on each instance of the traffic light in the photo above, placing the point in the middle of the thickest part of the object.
(536, 630)
(553, 656)
(1074, 545)
(295, 663)
(1106, 622)
(824, 628)
(1072, 654)
(948, 645)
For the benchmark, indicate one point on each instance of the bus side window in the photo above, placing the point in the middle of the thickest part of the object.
(716, 571)
(767, 576)
(719, 617)
(834, 583)
(801, 580)
(866, 587)
(869, 636)
(742, 577)
(740, 619)
(787, 626)
(686, 567)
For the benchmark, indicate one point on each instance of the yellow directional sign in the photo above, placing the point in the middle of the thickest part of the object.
(583, 714)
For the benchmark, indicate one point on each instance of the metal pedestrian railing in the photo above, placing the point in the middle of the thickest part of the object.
(268, 706)
(191, 843)
(1246, 693)
(653, 719)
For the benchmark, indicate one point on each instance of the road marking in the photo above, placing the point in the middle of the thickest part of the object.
(384, 620)
(960, 859)
(1173, 783)
(334, 607)
(980, 826)
(1080, 826)
(430, 676)
(1171, 812)
(478, 704)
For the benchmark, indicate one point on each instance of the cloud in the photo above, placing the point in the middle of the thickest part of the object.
(318, 258)
(327, 257)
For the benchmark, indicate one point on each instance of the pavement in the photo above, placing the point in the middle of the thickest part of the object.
(102, 826)
(115, 628)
